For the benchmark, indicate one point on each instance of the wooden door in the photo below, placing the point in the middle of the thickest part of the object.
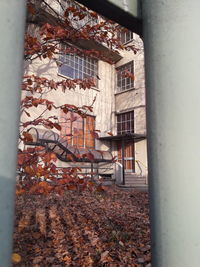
(129, 153)
(89, 132)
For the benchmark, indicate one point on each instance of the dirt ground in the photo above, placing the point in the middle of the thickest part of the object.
(85, 229)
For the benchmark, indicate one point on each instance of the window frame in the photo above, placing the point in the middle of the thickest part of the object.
(124, 38)
(125, 123)
(80, 65)
(127, 81)
(68, 122)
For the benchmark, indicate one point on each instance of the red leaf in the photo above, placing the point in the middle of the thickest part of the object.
(80, 181)
(89, 156)
(70, 157)
(71, 187)
(63, 181)
(29, 170)
(29, 81)
(27, 137)
(21, 158)
(28, 114)
(19, 191)
(57, 126)
(31, 9)
(47, 157)
(88, 108)
(94, 134)
(100, 189)
(94, 14)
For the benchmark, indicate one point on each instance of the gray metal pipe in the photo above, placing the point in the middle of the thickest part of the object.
(172, 54)
(12, 20)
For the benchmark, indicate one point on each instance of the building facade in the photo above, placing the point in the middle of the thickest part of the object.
(118, 101)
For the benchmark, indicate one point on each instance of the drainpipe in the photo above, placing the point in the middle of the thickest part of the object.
(172, 54)
(12, 20)
(123, 161)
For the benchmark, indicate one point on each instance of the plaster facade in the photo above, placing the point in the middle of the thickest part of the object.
(107, 105)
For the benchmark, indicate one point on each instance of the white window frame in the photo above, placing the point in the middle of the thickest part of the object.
(78, 67)
(126, 36)
(124, 83)
(125, 123)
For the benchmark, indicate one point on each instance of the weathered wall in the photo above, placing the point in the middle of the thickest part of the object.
(141, 163)
(103, 106)
(108, 102)
(134, 99)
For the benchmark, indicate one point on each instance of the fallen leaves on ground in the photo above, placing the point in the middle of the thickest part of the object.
(108, 228)
(16, 258)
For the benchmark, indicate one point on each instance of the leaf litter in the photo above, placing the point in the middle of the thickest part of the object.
(108, 228)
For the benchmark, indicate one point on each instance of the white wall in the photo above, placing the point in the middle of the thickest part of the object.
(134, 99)
(141, 163)
(107, 103)
(103, 106)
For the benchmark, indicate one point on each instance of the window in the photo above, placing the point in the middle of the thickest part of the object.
(125, 36)
(78, 67)
(124, 81)
(89, 132)
(78, 131)
(125, 123)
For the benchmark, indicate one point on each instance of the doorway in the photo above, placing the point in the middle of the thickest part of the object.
(129, 155)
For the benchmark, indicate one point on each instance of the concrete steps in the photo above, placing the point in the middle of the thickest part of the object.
(135, 181)
(137, 188)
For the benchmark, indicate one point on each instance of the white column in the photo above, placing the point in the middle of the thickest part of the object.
(172, 48)
(12, 18)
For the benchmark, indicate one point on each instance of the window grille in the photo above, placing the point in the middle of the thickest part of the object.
(125, 36)
(78, 67)
(78, 131)
(124, 82)
(125, 123)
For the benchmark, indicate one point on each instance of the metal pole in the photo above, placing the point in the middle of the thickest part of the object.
(12, 18)
(123, 161)
(172, 48)
(92, 171)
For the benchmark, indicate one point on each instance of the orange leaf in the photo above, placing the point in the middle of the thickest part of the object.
(31, 9)
(70, 157)
(104, 256)
(16, 258)
(80, 181)
(29, 170)
(100, 189)
(94, 14)
(43, 184)
(71, 187)
(50, 156)
(19, 191)
(94, 134)
(21, 158)
(63, 181)
(67, 259)
(89, 156)
(27, 137)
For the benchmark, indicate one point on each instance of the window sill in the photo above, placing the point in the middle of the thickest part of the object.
(121, 92)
